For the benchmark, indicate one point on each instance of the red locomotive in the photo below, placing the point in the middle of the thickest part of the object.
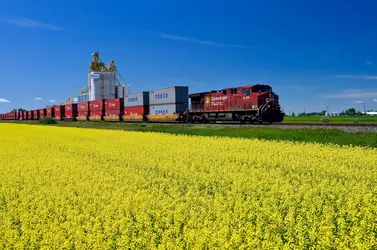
(254, 103)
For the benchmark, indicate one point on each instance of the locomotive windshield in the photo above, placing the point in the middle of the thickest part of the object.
(261, 89)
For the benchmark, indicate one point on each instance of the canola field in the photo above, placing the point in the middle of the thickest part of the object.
(100, 189)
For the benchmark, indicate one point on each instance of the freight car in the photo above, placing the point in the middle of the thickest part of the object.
(246, 104)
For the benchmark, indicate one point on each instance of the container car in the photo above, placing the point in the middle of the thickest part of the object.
(36, 114)
(50, 112)
(59, 112)
(83, 111)
(70, 112)
(42, 113)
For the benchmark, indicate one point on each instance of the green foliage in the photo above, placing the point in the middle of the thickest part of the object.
(325, 136)
(47, 120)
(355, 120)
(325, 119)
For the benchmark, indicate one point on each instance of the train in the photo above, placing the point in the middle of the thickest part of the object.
(246, 104)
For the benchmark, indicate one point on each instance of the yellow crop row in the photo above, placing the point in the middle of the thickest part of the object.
(101, 189)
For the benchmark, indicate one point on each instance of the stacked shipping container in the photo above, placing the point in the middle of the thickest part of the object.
(36, 114)
(114, 109)
(25, 114)
(136, 106)
(42, 113)
(96, 108)
(30, 115)
(83, 111)
(171, 100)
(70, 111)
(50, 111)
(59, 112)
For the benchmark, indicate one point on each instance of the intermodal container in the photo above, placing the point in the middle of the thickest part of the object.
(50, 112)
(175, 94)
(36, 114)
(59, 112)
(83, 106)
(25, 114)
(70, 111)
(82, 113)
(113, 113)
(42, 113)
(173, 108)
(137, 99)
(30, 115)
(96, 105)
(96, 113)
(12, 116)
(114, 104)
(138, 110)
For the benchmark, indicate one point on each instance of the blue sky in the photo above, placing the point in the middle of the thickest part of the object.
(313, 53)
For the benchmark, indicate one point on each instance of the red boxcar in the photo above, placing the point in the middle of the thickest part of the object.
(59, 112)
(50, 112)
(83, 107)
(36, 114)
(42, 113)
(97, 105)
(70, 111)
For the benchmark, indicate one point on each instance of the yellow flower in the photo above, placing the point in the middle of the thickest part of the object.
(103, 189)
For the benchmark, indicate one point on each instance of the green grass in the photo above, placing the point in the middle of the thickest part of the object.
(333, 136)
(333, 119)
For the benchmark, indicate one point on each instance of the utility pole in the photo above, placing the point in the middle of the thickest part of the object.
(364, 108)
(327, 109)
(305, 111)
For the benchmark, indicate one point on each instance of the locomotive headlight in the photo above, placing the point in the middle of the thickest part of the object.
(269, 95)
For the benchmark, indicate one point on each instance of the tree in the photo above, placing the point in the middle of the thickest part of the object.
(18, 110)
(293, 114)
(351, 111)
(323, 112)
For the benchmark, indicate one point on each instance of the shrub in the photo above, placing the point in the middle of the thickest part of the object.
(47, 120)
(355, 120)
(325, 119)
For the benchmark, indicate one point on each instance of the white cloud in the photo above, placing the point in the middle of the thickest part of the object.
(359, 102)
(198, 41)
(28, 23)
(353, 94)
(369, 62)
(51, 101)
(38, 98)
(4, 100)
(375, 100)
(358, 77)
